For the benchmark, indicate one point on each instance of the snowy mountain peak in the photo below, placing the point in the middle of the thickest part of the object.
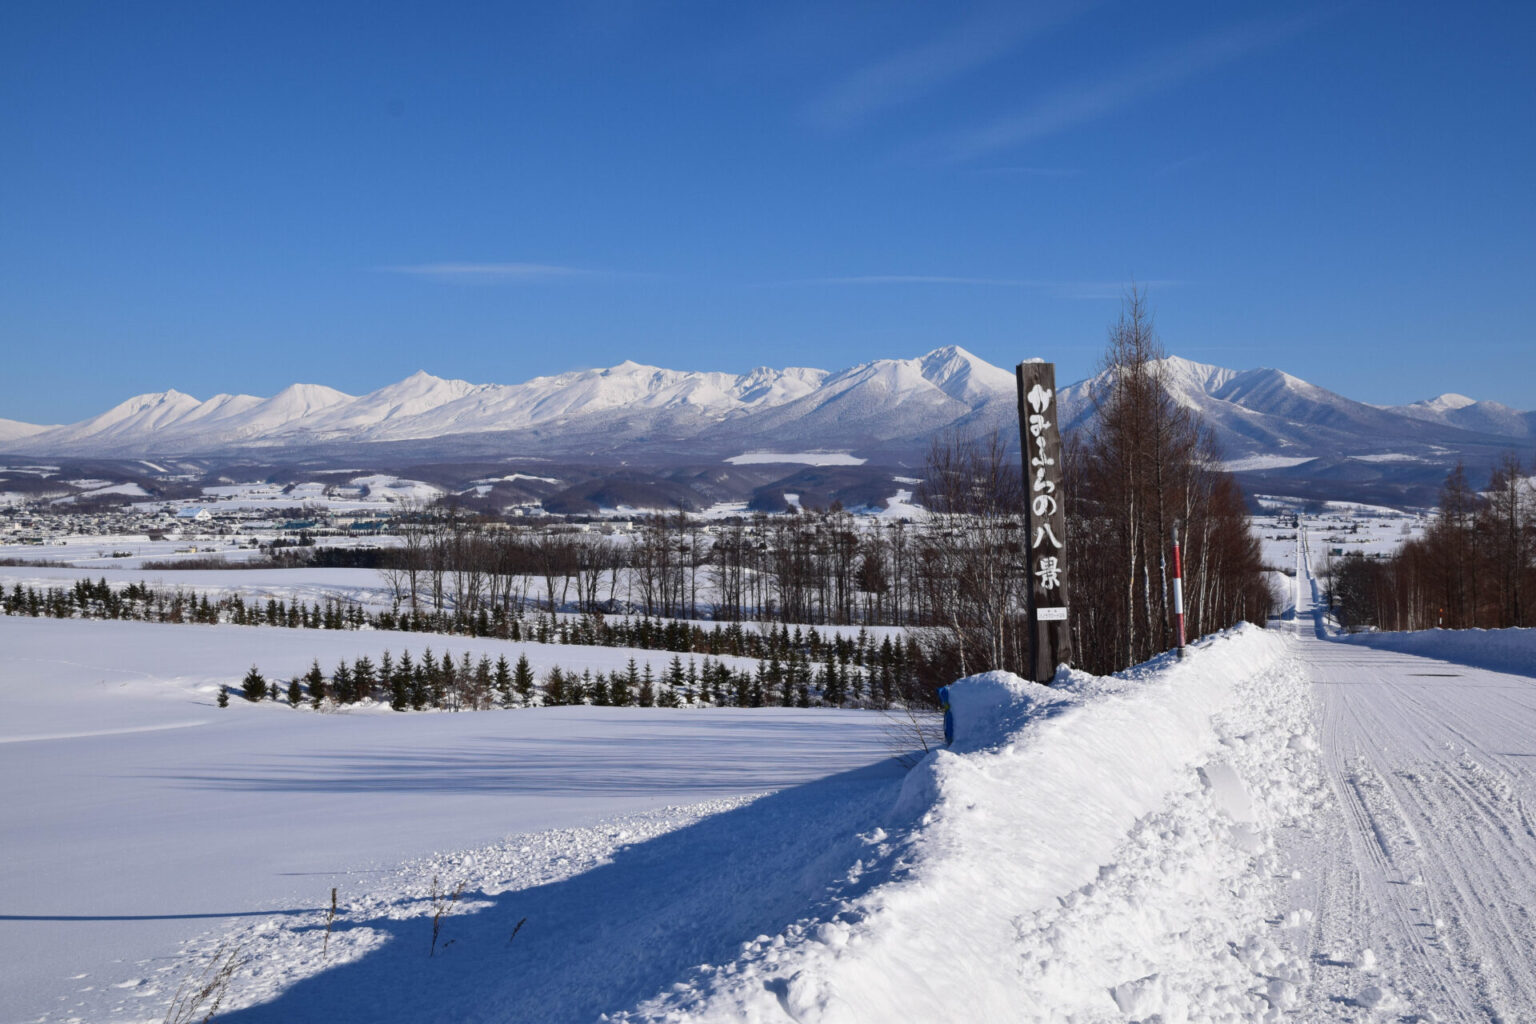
(963, 376)
(313, 393)
(1460, 411)
(1448, 402)
(1180, 372)
(422, 384)
(155, 400)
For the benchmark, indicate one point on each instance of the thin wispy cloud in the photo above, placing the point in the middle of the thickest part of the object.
(1092, 100)
(1029, 172)
(911, 73)
(1062, 289)
(915, 279)
(507, 272)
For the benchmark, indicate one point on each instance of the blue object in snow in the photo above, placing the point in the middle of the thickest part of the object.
(949, 717)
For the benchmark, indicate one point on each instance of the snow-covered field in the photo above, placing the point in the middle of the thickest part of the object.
(1503, 650)
(1283, 826)
(1253, 462)
(363, 586)
(1336, 528)
(131, 551)
(796, 458)
(137, 814)
(142, 816)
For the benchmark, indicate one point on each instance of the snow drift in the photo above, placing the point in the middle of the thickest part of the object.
(1100, 850)
(1091, 851)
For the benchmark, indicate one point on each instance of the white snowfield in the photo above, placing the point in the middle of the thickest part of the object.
(798, 458)
(137, 814)
(1281, 827)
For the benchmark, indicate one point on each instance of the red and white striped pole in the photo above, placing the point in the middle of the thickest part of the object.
(1178, 589)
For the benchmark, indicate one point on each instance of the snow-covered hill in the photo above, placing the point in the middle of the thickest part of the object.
(884, 409)
(1470, 414)
(14, 430)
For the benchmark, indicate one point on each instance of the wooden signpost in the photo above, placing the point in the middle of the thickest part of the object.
(1045, 521)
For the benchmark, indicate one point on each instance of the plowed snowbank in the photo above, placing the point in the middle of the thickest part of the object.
(1089, 851)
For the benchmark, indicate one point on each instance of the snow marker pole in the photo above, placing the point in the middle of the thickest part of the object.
(1178, 589)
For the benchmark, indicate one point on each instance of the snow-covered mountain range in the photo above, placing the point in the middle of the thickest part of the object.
(868, 405)
(888, 409)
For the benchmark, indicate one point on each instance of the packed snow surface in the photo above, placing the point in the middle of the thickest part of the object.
(1417, 881)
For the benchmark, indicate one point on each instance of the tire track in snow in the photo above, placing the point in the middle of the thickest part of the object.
(1379, 918)
(1431, 857)
(1478, 806)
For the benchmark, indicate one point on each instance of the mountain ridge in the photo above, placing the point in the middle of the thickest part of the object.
(884, 409)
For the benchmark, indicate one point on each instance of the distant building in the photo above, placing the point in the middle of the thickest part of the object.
(193, 515)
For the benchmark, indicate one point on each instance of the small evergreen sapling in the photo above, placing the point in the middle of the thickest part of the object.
(522, 680)
(341, 683)
(363, 679)
(315, 680)
(647, 698)
(501, 679)
(554, 687)
(253, 686)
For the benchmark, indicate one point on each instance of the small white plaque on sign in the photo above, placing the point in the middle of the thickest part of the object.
(1057, 614)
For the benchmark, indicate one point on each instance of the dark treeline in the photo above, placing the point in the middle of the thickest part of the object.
(1475, 567)
(278, 555)
(443, 683)
(796, 667)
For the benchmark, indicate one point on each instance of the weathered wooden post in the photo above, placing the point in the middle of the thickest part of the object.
(1045, 521)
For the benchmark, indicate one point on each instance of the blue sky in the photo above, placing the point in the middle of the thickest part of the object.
(234, 196)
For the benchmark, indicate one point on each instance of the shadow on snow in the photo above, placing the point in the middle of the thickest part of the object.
(614, 935)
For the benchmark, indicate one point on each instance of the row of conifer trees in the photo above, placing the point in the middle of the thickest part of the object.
(895, 661)
(465, 684)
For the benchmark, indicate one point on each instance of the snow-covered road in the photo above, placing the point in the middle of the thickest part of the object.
(1422, 877)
